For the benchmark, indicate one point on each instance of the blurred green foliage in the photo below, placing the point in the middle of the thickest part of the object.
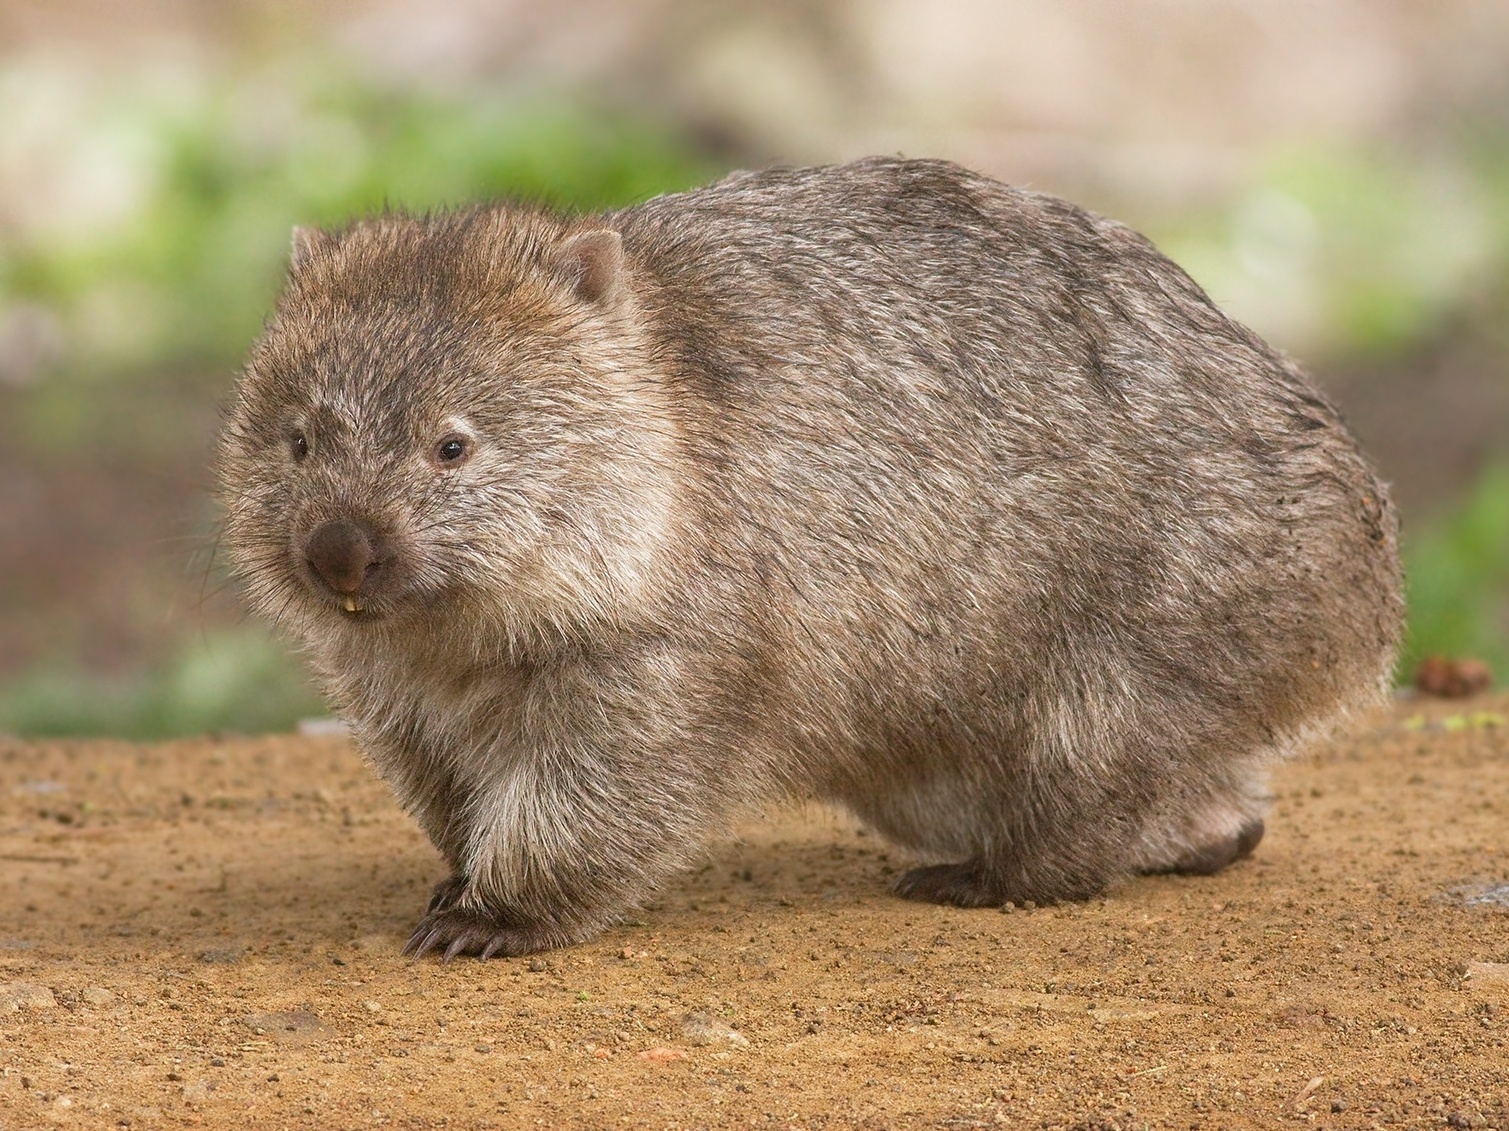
(1458, 577)
(211, 180)
(238, 680)
(1340, 252)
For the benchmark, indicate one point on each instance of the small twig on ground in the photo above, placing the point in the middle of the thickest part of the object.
(1305, 1092)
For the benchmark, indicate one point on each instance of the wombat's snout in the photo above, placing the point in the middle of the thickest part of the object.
(344, 555)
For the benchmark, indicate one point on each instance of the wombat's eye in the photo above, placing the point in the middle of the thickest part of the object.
(299, 445)
(452, 451)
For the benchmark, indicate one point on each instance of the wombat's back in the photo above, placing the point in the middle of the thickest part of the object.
(1016, 498)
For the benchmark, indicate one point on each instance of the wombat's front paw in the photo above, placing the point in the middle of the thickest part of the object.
(456, 930)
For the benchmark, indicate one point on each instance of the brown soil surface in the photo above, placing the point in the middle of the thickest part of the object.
(207, 934)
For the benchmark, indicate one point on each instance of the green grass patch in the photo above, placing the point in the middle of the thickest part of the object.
(1458, 580)
(235, 680)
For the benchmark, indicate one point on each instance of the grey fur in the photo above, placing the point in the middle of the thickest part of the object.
(882, 483)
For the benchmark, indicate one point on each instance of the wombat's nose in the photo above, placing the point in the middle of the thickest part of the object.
(342, 554)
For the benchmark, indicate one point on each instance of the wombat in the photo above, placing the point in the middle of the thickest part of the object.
(883, 484)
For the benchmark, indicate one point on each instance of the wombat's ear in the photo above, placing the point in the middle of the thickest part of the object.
(307, 243)
(593, 263)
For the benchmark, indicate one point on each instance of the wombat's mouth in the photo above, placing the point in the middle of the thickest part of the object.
(344, 560)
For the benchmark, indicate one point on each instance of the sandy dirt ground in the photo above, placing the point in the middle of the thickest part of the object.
(206, 934)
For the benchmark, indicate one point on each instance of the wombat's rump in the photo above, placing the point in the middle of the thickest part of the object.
(882, 483)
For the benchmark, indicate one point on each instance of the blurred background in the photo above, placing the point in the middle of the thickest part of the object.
(1334, 172)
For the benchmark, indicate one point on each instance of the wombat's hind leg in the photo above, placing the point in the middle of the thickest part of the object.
(971, 884)
(1210, 858)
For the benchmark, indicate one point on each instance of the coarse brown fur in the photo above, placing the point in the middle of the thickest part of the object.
(882, 483)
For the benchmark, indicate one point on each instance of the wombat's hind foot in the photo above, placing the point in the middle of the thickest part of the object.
(1210, 858)
(972, 885)
(960, 884)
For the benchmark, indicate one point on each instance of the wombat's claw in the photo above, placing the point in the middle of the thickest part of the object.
(458, 932)
(445, 893)
(421, 942)
(470, 932)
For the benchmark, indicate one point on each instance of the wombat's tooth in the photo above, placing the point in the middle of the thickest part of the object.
(353, 605)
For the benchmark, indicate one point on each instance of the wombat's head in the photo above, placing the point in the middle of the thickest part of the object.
(449, 417)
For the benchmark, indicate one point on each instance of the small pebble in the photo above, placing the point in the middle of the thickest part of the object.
(705, 1029)
(24, 995)
(1481, 975)
(663, 1054)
